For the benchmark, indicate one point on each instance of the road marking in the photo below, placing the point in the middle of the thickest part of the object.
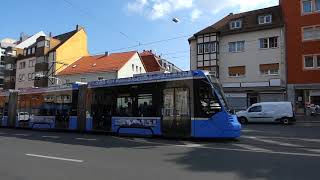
(250, 130)
(22, 134)
(55, 158)
(225, 149)
(274, 142)
(313, 150)
(52, 137)
(190, 145)
(85, 139)
(249, 147)
(285, 138)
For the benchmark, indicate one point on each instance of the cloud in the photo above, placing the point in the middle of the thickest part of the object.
(156, 9)
(195, 14)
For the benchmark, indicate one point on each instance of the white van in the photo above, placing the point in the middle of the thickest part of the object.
(268, 112)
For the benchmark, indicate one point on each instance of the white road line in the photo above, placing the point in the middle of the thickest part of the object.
(22, 134)
(85, 139)
(55, 158)
(52, 137)
(249, 147)
(189, 145)
(313, 150)
(275, 142)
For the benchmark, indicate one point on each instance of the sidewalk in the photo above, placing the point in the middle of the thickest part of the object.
(307, 119)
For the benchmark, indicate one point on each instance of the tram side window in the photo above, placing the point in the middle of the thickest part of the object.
(124, 106)
(209, 104)
(145, 105)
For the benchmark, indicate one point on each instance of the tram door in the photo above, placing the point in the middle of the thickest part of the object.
(176, 119)
(102, 112)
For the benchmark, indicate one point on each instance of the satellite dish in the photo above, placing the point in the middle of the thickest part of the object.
(175, 20)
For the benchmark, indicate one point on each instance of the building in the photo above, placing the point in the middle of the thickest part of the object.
(246, 51)
(302, 19)
(102, 67)
(25, 68)
(4, 44)
(17, 52)
(54, 53)
(154, 63)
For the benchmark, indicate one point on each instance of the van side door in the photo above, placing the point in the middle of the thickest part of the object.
(255, 114)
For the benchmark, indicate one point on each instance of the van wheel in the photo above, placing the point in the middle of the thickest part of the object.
(243, 120)
(285, 121)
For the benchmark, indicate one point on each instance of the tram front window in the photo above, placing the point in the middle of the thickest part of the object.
(209, 104)
(218, 88)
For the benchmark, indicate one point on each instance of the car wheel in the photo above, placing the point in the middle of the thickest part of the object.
(243, 120)
(285, 121)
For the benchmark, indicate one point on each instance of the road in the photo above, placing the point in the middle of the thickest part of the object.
(265, 151)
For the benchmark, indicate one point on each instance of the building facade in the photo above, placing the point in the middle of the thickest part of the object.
(4, 44)
(302, 19)
(53, 54)
(246, 51)
(102, 67)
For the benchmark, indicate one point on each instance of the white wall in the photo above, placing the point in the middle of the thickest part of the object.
(31, 40)
(89, 77)
(252, 57)
(126, 70)
(26, 83)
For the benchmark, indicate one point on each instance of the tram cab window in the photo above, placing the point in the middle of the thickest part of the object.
(208, 103)
(145, 105)
(124, 106)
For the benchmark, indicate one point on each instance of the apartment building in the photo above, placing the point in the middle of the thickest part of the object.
(154, 63)
(246, 51)
(302, 19)
(4, 44)
(54, 53)
(102, 67)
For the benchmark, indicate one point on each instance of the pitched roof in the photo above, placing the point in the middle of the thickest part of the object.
(150, 61)
(249, 22)
(63, 38)
(98, 63)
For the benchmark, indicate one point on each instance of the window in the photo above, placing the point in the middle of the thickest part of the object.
(269, 69)
(140, 69)
(266, 19)
(30, 76)
(21, 77)
(317, 2)
(67, 81)
(100, 78)
(236, 24)
(271, 42)
(33, 50)
(237, 71)
(145, 105)
(132, 67)
(25, 52)
(208, 103)
(47, 44)
(137, 68)
(22, 65)
(207, 48)
(124, 106)
(236, 46)
(312, 62)
(200, 48)
(31, 63)
(255, 109)
(307, 6)
(213, 47)
(311, 33)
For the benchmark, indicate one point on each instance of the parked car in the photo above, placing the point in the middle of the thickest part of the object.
(23, 116)
(281, 112)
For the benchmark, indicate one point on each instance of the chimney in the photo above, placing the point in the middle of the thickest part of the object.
(230, 14)
(106, 53)
(50, 34)
(78, 27)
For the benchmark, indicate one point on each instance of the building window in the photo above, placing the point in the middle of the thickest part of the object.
(237, 71)
(25, 52)
(22, 65)
(312, 62)
(47, 44)
(266, 19)
(33, 50)
(132, 67)
(21, 77)
(311, 33)
(207, 48)
(307, 6)
(67, 81)
(271, 42)
(317, 2)
(140, 69)
(100, 78)
(137, 68)
(269, 69)
(236, 24)
(31, 63)
(236, 46)
(30, 76)
(210, 47)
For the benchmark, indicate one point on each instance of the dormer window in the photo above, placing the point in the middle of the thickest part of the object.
(265, 19)
(237, 24)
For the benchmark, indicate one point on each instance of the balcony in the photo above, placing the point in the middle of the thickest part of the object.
(43, 66)
(41, 82)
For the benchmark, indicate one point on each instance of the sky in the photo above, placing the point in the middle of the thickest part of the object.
(123, 25)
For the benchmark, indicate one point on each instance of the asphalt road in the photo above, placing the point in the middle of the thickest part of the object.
(265, 151)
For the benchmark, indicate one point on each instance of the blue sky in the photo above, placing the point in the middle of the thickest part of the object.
(117, 24)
